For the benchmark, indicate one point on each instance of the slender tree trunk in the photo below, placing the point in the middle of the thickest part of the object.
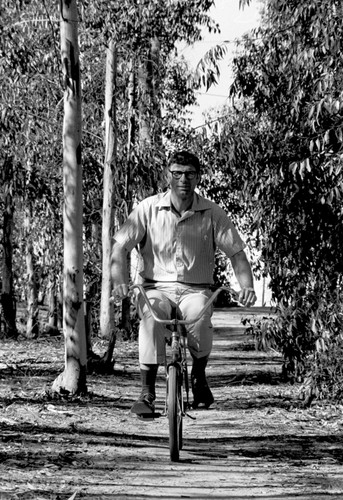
(156, 103)
(131, 131)
(125, 322)
(7, 293)
(149, 105)
(73, 379)
(60, 303)
(88, 309)
(52, 302)
(145, 102)
(53, 325)
(150, 117)
(32, 325)
(107, 326)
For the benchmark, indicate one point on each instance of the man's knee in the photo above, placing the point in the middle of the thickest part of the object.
(192, 306)
(200, 339)
(159, 303)
(200, 352)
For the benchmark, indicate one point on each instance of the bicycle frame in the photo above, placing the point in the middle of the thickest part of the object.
(176, 322)
(176, 370)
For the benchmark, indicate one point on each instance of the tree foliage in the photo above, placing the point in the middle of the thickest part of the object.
(289, 73)
(30, 110)
(32, 106)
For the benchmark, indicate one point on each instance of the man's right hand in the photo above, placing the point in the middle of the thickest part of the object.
(119, 292)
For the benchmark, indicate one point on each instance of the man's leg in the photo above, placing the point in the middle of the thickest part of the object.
(200, 337)
(151, 348)
(145, 402)
(202, 394)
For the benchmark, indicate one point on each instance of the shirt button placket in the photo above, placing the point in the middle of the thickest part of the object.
(179, 260)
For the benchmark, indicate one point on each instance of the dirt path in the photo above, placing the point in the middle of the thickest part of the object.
(256, 442)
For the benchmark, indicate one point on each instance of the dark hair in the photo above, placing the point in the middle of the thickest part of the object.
(185, 158)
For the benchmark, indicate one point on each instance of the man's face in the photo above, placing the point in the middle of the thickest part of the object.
(183, 180)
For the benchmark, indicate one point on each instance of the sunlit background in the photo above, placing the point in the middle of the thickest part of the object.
(233, 22)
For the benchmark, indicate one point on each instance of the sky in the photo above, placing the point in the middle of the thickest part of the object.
(233, 22)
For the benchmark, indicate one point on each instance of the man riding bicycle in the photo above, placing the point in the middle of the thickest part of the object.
(178, 233)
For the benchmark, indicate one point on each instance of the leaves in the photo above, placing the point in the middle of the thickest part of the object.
(207, 71)
(281, 150)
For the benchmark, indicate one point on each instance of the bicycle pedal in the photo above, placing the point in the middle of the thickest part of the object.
(190, 416)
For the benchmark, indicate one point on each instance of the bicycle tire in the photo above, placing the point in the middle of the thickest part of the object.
(174, 413)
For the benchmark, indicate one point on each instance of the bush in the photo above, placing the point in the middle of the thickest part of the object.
(309, 334)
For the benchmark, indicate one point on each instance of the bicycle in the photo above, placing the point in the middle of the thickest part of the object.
(177, 382)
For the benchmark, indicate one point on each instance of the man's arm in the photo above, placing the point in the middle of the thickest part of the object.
(243, 273)
(119, 271)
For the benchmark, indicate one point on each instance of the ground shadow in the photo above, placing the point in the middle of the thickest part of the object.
(287, 448)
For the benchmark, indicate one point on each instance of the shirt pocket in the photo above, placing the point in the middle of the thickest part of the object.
(200, 235)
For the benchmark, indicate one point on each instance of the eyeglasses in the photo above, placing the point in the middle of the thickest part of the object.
(189, 174)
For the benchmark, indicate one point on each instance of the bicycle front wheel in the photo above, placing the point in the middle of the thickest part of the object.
(175, 412)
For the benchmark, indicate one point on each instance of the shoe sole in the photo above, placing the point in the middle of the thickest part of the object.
(148, 417)
(202, 404)
(141, 408)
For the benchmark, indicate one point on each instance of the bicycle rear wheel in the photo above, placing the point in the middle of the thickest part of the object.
(175, 412)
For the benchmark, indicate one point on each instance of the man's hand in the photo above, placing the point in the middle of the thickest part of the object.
(119, 292)
(247, 297)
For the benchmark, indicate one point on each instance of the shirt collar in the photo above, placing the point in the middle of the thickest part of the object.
(199, 203)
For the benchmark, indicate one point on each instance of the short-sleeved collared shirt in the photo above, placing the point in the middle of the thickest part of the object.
(179, 248)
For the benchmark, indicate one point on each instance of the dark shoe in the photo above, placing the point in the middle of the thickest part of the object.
(144, 405)
(202, 395)
(201, 391)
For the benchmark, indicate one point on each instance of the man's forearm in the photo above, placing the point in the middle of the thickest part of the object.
(242, 270)
(119, 266)
(245, 278)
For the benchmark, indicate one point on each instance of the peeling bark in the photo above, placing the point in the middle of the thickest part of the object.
(73, 379)
(107, 326)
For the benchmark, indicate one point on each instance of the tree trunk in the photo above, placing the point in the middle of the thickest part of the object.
(52, 302)
(60, 303)
(145, 101)
(7, 292)
(150, 117)
(32, 325)
(73, 379)
(131, 132)
(97, 363)
(156, 102)
(149, 103)
(107, 325)
(125, 321)
(51, 328)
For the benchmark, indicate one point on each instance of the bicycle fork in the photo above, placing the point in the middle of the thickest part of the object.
(179, 360)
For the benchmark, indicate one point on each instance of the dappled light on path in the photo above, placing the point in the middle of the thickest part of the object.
(256, 441)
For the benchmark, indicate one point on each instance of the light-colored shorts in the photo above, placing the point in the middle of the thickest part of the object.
(188, 300)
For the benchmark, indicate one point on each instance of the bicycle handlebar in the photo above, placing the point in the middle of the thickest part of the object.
(176, 320)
